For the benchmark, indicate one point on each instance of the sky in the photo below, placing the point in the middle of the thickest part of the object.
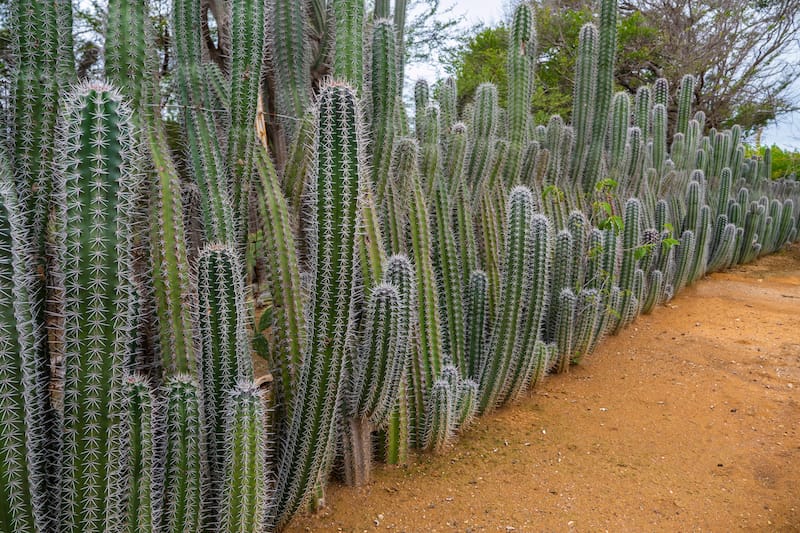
(785, 132)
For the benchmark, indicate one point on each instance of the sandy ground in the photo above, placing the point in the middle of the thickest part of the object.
(686, 421)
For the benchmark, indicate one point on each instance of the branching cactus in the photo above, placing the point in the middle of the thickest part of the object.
(225, 359)
(245, 484)
(333, 190)
(95, 193)
(141, 456)
(183, 478)
(25, 504)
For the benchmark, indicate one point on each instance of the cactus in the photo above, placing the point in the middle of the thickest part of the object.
(183, 477)
(521, 65)
(630, 244)
(348, 55)
(476, 321)
(428, 362)
(383, 91)
(588, 310)
(447, 97)
(503, 347)
(685, 96)
(141, 456)
(583, 97)
(565, 328)
(249, 41)
(466, 403)
(482, 134)
(24, 397)
(446, 263)
(284, 279)
(96, 195)
(438, 417)
(205, 153)
(620, 116)
(225, 359)
(245, 485)
(292, 61)
(421, 101)
(333, 198)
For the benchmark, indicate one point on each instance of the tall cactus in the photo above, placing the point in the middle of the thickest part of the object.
(503, 347)
(383, 91)
(287, 44)
(583, 97)
(334, 215)
(96, 196)
(521, 64)
(348, 55)
(24, 398)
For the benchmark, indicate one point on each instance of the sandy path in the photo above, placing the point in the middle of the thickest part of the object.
(687, 421)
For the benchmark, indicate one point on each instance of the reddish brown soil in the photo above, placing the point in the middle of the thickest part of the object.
(687, 421)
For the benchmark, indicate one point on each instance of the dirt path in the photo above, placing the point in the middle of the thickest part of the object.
(687, 421)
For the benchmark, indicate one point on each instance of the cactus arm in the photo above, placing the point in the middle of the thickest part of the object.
(383, 92)
(140, 517)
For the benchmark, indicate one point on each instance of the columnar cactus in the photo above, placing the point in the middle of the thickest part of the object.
(483, 127)
(225, 356)
(292, 61)
(438, 417)
(383, 92)
(348, 52)
(25, 504)
(583, 97)
(96, 195)
(205, 152)
(183, 477)
(521, 65)
(245, 485)
(141, 456)
(333, 190)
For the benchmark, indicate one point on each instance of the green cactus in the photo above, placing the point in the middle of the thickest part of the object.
(348, 55)
(642, 106)
(225, 360)
(659, 137)
(205, 152)
(333, 189)
(249, 40)
(284, 280)
(245, 485)
(449, 277)
(630, 245)
(25, 502)
(476, 321)
(503, 346)
(521, 65)
(287, 38)
(685, 97)
(565, 329)
(421, 101)
(447, 97)
(95, 194)
(439, 417)
(141, 456)
(583, 97)
(654, 287)
(183, 476)
(383, 92)
(588, 310)
(619, 131)
(483, 127)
